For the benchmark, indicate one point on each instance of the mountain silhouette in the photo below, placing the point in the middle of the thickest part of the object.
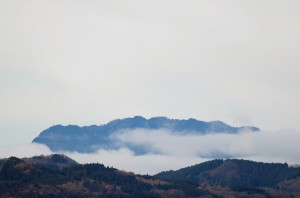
(88, 139)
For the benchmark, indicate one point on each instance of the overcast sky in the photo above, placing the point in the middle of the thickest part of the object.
(90, 61)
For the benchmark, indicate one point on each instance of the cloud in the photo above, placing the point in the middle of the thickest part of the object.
(172, 151)
(167, 150)
(24, 150)
(124, 159)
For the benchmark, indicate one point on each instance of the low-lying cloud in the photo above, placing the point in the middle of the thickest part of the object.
(265, 145)
(24, 150)
(167, 150)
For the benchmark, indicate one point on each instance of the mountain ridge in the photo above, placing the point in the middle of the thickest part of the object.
(234, 172)
(59, 176)
(88, 139)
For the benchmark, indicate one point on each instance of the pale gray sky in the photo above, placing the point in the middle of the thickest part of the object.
(88, 62)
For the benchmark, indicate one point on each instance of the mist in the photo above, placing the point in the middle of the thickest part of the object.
(24, 150)
(167, 150)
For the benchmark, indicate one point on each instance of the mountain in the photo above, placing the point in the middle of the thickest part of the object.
(88, 139)
(44, 176)
(59, 176)
(233, 172)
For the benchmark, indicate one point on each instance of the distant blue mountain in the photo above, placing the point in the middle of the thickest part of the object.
(88, 139)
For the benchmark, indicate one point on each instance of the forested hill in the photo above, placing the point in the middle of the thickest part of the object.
(59, 176)
(234, 173)
(89, 139)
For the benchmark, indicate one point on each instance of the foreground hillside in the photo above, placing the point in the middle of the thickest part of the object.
(240, 175)
(59, 176)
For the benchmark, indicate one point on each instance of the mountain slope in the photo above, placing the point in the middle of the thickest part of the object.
(234, 173)
(44, 176)
(88, 139)
(59, 176)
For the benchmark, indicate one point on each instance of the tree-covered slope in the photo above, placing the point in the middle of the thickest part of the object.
(234, 173)
(59, 176)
